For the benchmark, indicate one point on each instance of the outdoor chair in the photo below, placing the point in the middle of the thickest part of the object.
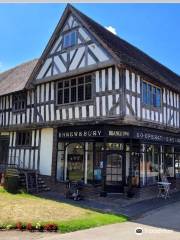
(164, 188)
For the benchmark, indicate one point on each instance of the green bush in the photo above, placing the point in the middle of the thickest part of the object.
(11, 184)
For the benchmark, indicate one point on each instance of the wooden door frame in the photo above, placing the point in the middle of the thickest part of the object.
(121, 153)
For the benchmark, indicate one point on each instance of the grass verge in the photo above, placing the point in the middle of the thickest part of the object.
(27, 208)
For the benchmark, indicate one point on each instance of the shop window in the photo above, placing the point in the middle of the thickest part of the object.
(177, 162)
(89, 156)
(19, 102)
(70, 39)
(151, 95)
(75, 162)
(168, 161)
(23, 138)
(98, 164)
(74, 90)
(60, 161)
(152, 158)
(114, 146)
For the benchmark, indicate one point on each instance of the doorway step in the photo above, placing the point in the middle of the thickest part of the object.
(32, 181)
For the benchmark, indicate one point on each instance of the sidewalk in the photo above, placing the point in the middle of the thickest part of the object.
(132, 210)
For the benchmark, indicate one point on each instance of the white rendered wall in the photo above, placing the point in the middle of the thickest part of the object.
(46, 151)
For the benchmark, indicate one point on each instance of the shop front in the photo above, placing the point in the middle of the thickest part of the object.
(109, 155)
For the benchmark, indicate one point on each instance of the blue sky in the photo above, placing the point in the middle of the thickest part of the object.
(154, 28)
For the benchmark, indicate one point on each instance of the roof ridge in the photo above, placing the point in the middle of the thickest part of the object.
(134, 48)
(17, 66)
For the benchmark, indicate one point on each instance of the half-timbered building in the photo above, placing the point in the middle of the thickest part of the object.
(92, 108)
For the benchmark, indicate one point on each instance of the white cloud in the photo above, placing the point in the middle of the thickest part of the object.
(111, 29)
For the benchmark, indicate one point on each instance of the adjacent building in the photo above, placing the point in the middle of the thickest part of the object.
(92, 108)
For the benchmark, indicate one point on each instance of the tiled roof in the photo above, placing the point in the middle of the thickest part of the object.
(16, 78)
(130, 55)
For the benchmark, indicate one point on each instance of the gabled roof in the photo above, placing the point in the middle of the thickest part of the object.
(20, 77)
(130, 55)
(16, 78)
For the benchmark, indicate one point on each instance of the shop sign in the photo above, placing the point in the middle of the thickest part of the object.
(157, 137)
(80, 133)
(118, 133)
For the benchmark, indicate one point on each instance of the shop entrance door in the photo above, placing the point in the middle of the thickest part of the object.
(114, 177)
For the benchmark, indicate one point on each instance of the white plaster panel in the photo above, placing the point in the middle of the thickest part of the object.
(84, 112)
(138, 84)
(76, 112)
(109, 78)
(59, 64)
(91, 111)
(133, 82)
(110, 102)
(97, 82)
(98, 52)
(116, 78)
(103, 106)
(127, 80)
(44, 68)
(64, 114)
(97, 106)
(70, 113)
(46, 151)
(103, 80)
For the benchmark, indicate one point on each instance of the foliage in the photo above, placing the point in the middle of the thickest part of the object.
(39, 226)
(51, 227)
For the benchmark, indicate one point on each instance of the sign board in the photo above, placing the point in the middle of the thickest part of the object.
(118, 132)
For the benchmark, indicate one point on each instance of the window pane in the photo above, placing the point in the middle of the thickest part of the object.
(66, 40)
(149, 95)
(144, 92)
(154, 96)
(80, 80)
(66, 95)
(73, 82)
(73, 94)
(70, 39)
(60, 84)
(88, 79)
(73, 38)
(66, 83)
(60, 97)
(81, 93)
(88, 92)
(19, 102)
(158, 97)
(23, 138)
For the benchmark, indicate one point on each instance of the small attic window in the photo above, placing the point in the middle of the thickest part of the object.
(70, 39)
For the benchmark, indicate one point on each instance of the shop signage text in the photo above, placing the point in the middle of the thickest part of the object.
(80, 133)
(118, 133)
(156, 137)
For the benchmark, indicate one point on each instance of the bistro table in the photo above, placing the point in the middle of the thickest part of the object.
(163, 189)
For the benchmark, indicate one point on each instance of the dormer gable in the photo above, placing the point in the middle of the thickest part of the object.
(73, 49)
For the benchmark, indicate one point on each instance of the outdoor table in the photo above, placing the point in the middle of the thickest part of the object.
(164, 188)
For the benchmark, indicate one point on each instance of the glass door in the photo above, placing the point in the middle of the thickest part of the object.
(114, 172)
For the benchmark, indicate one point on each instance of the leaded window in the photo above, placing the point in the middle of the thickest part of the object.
(23, 138)
(74, 90)
(70, 39)
(19, 101)
(151, 95)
